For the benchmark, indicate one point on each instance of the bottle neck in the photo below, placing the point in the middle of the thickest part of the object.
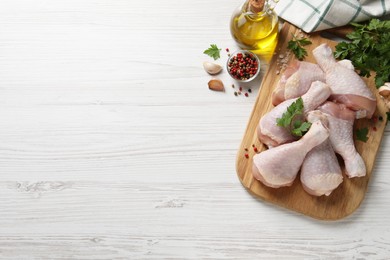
(256, 6)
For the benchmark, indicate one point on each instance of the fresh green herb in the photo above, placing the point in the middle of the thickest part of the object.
(296, 108)
(291, 119)
(361, 134)
(300, 128)
(297, 47)
(213, 51)
(369, 49)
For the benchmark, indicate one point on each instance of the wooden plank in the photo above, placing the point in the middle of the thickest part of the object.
(349, 195)
(188, 220)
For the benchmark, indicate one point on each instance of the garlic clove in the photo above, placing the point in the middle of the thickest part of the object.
(212, 68)
(384, 91)
(216, 84)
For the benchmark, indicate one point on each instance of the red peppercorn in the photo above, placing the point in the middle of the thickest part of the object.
(374, 128)
(255, 149)
(246, 94)
(227, 49)
(246, 155)
(242, 66)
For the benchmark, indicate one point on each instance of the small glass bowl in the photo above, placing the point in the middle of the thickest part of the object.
(244, 52)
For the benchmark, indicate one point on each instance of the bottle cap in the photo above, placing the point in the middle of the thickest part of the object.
(256, 6)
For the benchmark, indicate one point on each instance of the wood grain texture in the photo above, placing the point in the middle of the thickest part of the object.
(113, 220)
(112, 146)
(349, 195)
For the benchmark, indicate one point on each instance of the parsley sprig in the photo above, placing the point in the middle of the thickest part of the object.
(213, 51)
(297, 47)
(361, 134)
(368, 49)
(292, 119)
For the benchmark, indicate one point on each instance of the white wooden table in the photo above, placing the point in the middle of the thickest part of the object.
(112, 146)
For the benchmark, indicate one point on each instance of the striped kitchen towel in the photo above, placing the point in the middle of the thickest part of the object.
(316, 15)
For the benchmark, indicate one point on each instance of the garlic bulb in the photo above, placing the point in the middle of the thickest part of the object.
(384, 91)
(212, 68)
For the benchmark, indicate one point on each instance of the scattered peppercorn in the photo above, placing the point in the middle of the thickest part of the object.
(380, 118)
(235, 93)
(246, 155)
(239, 92)
(246, 94)
(228, 52)
(255, 149)
(240, 88)
(233, 86)
(374, 128)
(374, 119)
(249, 90)
(246, 149)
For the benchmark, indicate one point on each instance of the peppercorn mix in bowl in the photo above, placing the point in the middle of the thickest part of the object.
(243, 66)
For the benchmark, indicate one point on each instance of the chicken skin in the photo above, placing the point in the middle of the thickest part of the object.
(320, 171)
(271, 134)
(279, 166)
(341, 121)
(296, 81)
(347, 86)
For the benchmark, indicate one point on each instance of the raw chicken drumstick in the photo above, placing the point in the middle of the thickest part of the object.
(296, 81)
(347, 86)
(279, 166)
(270, 134)
(320, 171)
(341, 121)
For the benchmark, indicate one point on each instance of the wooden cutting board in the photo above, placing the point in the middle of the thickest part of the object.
(349, 195)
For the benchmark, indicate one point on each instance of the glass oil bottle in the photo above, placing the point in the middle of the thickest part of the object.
(254, 26)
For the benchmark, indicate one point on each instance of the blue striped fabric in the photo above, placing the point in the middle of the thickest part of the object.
(316, 15)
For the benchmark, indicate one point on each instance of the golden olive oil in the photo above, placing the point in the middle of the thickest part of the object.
(255, 31)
